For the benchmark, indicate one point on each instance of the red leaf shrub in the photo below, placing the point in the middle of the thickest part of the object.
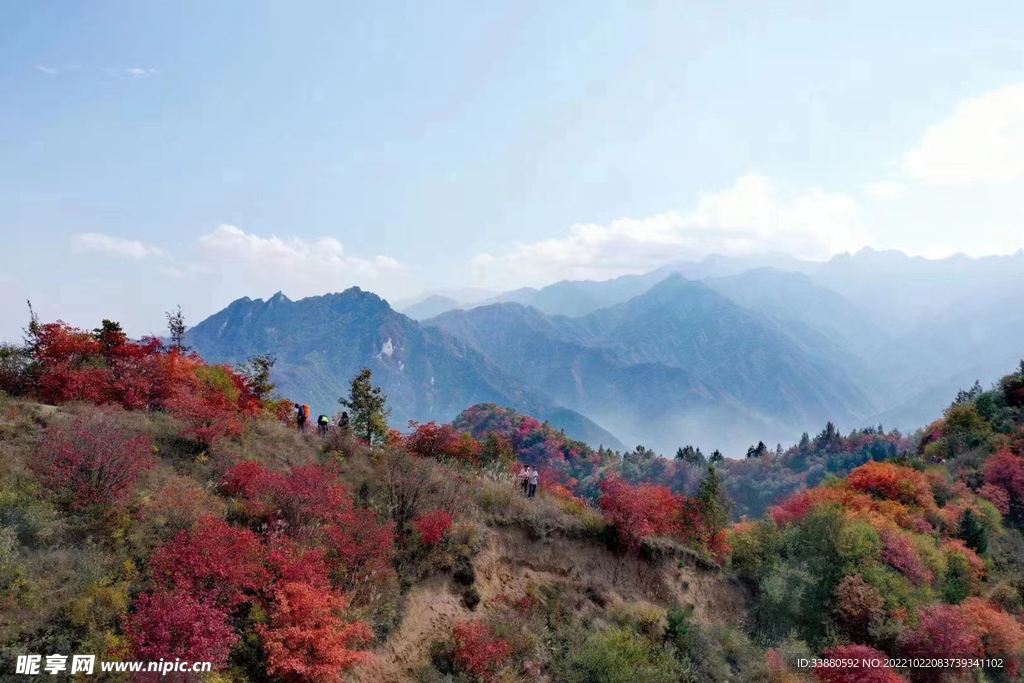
(794, 508)
(899, 552)
(1006, 470)
(856, 674)
(289, 562)
(432, 440)
(222, 563)
(942, 631)
(432, 526)
(170, 625)
(996, 495)
(306, 639)
(640, 511)
(91, 460)
(317, 508)
(478, 652)
(1002, 636)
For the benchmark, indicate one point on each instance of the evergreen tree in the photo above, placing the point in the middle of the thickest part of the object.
(256, 371)
(972, 532)
(691, 455)
(714, 506)
(110, 335)
(176, 326)
(757, 451)
(805, 442)
(716, 457)
(367, 403)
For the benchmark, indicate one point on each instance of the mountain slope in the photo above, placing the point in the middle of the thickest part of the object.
(745, 355)
(433, 305)
(672, 366)
(646, 403)
(322, 342)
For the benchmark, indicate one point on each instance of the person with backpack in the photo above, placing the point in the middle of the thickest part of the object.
(524, 479)
(323, 424)
(300, 417)
(343, 423)
(534, 480)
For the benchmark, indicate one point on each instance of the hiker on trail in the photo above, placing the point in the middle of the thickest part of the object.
(300, 417)
(323, 423)
(343, 423)
(524, 478)
(534, 479)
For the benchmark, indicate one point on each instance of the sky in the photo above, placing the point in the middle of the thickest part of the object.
(156, 154)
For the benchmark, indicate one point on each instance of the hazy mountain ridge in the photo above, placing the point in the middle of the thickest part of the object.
(322, 342)
(672, 365)
(759, 348)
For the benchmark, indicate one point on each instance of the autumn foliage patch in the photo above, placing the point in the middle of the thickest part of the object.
(91, 460)
(478, 652)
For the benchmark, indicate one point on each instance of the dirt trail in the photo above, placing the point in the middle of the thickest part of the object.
(511, 563)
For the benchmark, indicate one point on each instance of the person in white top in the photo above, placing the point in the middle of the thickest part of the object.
(534, 479)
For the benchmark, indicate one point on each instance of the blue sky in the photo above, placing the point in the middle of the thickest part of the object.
(195, 152)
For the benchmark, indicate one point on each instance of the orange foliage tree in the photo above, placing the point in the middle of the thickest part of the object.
(306, 639)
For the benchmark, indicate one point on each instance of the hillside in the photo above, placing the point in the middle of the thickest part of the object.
(153, 506)
(320, 343)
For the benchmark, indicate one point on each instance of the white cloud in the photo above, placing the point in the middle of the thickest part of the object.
(885, 189)
(982, 141)
(131, 250)
(315, 266)
(48, 70)
(131, 72)
(743, 219)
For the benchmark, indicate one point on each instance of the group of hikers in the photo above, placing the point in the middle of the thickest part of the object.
(529, 477)
(323, 423)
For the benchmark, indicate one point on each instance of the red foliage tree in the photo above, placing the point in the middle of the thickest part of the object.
(307, 640)
(1006, 470)
(316, 508)
(169, 625)
(1002, 636)
(290, 562)
(942, 631)
(91, 460)
(794, 508)
(361, 549)
(899, 552)
(856, 674)
(478, 652)
(432, 440)
(996, 495)
(208, 415)
(71, 365)
(640, 511)
(432, 526)
(221, 563)
(892, 482)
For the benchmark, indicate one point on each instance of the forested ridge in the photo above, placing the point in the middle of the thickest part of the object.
(156, 506)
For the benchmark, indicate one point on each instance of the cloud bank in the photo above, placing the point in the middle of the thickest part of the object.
(115, 247)
(300, 266)
(748, 217)
(981, 142)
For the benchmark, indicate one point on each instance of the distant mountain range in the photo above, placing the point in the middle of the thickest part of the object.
(719, 353)
(321, 343)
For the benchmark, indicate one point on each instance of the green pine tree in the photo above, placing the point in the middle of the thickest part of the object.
(972, 532)
(368, 406)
